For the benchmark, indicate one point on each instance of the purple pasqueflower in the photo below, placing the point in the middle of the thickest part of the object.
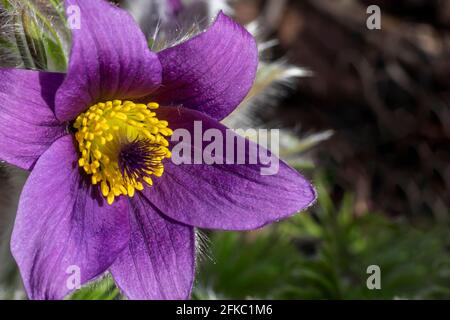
(175, 5)
(102, 195)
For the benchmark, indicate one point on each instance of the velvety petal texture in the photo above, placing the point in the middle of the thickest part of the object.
(225, 196)
(109, 59)
(27, 124)
(64, 233)
(159, 260)
(212, 72)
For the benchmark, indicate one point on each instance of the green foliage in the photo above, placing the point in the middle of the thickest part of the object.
(105, 289)
(324, 254)
(38, 37)
(6, 4)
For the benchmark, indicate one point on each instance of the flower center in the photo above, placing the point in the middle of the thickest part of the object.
(122, 145)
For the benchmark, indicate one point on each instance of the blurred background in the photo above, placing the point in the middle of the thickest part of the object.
(364, 114)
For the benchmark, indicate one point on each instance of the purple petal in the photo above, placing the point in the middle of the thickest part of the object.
(27, 124)
(63, 226)
(225, 196)
(159, 261)
(212, 72)
(109, 59)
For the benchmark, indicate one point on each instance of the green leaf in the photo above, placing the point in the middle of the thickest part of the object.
(324, 254)
(22, 43)
(55, 54)
(103, 289)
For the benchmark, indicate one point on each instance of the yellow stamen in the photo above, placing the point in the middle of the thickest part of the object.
(103, 131)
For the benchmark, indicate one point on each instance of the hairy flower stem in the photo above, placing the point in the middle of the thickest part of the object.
(22, 43)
